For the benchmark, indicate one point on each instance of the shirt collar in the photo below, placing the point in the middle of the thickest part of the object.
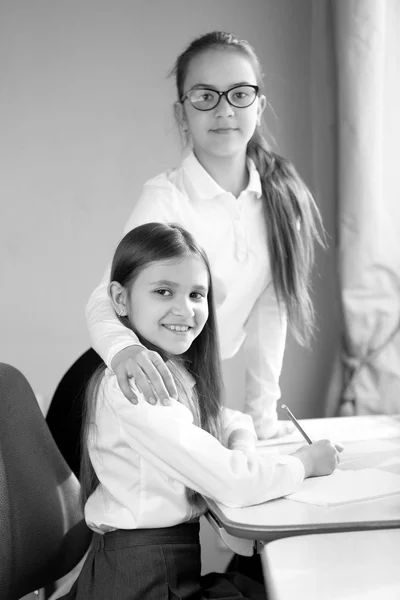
(207, 188)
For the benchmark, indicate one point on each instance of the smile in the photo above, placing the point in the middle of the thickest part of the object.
(223, 130)
(177, 328)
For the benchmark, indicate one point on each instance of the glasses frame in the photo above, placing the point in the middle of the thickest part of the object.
(185, 96)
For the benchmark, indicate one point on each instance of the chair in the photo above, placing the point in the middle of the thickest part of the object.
(64, 417)
(43, 534)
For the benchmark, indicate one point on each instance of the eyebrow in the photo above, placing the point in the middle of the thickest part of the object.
(173, 284)
(213, 87)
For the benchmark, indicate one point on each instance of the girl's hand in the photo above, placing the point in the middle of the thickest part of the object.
(284, 428)
(147, 368)
(320, 458)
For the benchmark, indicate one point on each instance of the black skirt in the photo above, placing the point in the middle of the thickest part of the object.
(155, 564)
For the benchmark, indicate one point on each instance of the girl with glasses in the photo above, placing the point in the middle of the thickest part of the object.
(248, 208)
(145, 468)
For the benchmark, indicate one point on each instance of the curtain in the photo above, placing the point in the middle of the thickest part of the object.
(367, 55)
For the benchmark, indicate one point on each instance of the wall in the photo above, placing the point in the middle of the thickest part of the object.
(86, 117)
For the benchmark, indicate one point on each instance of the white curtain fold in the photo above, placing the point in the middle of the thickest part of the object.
(369, 230)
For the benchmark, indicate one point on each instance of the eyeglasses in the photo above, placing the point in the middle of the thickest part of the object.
(239, 96)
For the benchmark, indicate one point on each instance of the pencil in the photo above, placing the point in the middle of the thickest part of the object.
(296, 423)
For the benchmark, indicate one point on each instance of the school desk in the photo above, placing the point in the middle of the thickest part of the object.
(370, 441)
(355, 565)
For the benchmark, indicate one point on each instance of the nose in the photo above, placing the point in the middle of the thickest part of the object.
(183, 308)
(223, 108)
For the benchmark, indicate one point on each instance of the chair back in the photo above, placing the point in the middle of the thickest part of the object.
(43, 534)
(64, 417)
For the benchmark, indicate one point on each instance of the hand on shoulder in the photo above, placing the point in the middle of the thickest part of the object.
(150, 373)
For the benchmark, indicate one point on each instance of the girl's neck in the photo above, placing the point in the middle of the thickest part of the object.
(230, 173)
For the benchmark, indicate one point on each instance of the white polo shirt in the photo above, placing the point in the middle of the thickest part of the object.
(233, 233)
(146, 456)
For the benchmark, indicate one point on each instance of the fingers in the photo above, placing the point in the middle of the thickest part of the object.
(333, 451)
(337, 445)
(144, 385)
(284, 427)
(151, 376)
(166, 387)
(130, 370)
(154, 378)
(338, 449)
(123, 382)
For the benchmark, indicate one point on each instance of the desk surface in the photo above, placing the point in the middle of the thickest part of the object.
(358, 565)
(283, 517)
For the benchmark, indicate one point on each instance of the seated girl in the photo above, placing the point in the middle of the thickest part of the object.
(146, 467)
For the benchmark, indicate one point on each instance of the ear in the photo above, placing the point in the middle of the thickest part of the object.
(118, 298)
(180, 116)
(262, 103)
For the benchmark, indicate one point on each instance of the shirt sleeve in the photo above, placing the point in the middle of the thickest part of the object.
(107, 335)
(167, 438)
(238, 431)
(264, 348)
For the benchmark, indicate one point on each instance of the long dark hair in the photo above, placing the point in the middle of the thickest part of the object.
(139, 248)
(292, 218)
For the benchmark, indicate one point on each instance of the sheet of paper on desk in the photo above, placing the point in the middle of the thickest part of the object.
(343, 487)
(342, 430)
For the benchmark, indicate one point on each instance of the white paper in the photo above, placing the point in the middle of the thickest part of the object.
(347, 486)
(343, 429)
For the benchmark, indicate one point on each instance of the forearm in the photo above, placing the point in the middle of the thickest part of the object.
(168, 439)
(242, 439)
(264, 348)
(238, 431)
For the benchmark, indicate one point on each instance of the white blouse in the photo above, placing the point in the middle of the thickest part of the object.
(146, 456)
(233, 233)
